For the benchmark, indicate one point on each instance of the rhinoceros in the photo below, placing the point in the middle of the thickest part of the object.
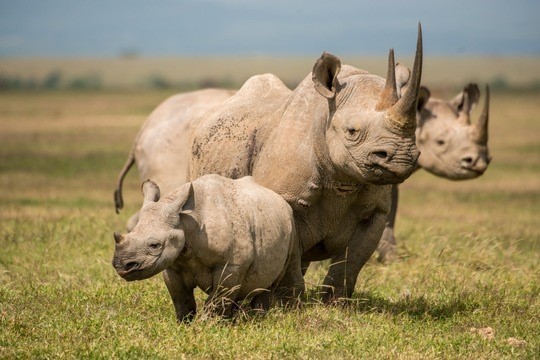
(332, 148)
(160, 148)
(231, 238)
(451, 146)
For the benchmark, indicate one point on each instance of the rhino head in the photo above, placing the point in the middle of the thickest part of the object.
(158, 239)
(370, 130)
(452, 146)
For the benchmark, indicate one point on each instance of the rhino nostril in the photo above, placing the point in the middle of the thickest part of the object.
(131, 265)
(381, 154)
(467, 160)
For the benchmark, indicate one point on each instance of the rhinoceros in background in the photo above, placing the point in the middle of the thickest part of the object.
(231, 238)
(451, 146)
(331, 148)
(160, 149)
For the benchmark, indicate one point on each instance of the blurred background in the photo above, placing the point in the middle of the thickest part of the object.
(190, 44)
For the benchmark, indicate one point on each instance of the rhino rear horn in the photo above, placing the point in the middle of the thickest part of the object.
(389, 94)
(403, 113)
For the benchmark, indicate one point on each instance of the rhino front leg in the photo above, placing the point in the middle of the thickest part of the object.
(292, 285)
(387, 246)
(225, 288)
(343, 272)
(182, 295)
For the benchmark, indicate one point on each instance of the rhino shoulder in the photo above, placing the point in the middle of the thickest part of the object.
(265, 85)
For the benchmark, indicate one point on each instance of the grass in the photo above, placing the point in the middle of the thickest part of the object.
(468, 253)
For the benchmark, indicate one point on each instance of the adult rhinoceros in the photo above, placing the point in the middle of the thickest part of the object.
(332, 148)
(451, 146)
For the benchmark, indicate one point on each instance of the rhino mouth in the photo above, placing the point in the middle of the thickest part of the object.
(392, 173)
(135, 271)
(382, 175)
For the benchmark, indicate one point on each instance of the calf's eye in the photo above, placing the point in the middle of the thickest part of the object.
(440, 142)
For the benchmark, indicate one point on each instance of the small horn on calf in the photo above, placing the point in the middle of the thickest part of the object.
(389, 94)
(482, 125)
(117, 238)
(403, 113)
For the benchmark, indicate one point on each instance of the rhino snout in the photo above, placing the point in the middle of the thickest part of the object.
(378, 156)
(124, 267)
(474, 163)
(398, 162)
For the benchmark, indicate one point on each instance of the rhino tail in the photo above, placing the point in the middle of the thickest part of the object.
(118, 200)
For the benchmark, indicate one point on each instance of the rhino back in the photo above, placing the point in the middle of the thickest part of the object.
(225, 140)
(161, 147)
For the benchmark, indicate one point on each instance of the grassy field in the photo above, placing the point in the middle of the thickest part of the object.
(466, 284)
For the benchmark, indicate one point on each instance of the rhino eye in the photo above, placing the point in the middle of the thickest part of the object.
(351, 131)
(440, 142)
(154, 246)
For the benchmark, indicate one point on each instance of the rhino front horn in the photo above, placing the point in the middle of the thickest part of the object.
(403, 113)
(117, 238)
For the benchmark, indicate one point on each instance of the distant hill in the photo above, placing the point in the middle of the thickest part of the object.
(196, 72)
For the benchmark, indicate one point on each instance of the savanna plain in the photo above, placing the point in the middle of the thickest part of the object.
(466, 283)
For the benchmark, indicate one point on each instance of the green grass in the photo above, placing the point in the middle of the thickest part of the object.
(468, 253)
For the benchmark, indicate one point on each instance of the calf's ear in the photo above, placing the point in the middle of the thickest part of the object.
(185, 200)
(324, 75)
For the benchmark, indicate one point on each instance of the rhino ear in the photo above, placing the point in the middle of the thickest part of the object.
(184, 202)
(466, 100)
(189, 204)
(403, 75)
(423, 97)
(324, 75)
(150, 191)
(473, 92)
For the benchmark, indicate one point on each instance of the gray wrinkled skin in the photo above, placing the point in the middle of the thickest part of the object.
(451, 145)
(231, 238)
(331, 148)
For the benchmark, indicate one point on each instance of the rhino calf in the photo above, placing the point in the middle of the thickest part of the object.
(231, 238)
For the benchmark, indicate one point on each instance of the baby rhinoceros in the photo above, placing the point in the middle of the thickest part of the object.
(231, 238)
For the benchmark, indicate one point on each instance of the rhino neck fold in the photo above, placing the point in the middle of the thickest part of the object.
(320, 147)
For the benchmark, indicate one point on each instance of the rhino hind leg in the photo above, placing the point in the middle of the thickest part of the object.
(262, 301)
(291, 287)
(387, 246)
